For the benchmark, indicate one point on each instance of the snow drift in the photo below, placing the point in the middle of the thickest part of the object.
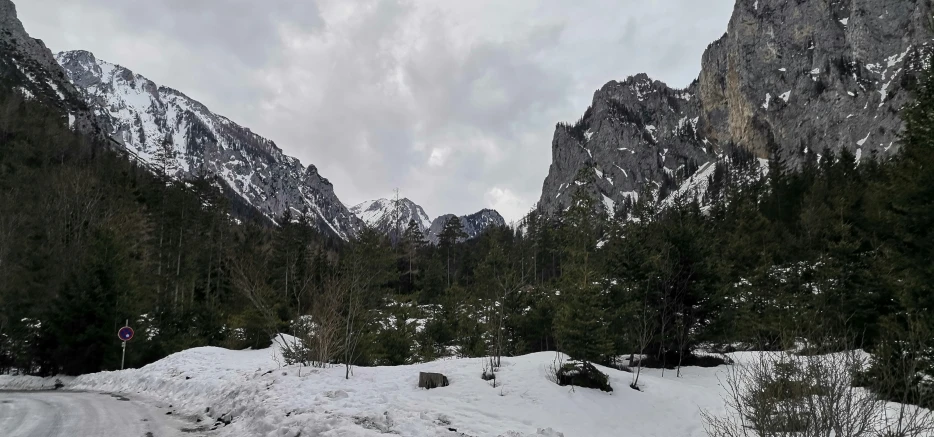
(251, 393)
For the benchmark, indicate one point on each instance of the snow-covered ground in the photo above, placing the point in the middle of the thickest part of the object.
(85, 414)
(265, 399)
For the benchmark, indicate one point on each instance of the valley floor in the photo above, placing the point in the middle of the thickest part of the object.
(258, 396)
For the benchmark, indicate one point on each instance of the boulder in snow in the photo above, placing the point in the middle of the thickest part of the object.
(432, 380)
(582, 374)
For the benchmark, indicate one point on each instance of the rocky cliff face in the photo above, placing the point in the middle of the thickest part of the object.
(171, 132)
(473, 224)
(794, 77)
(27, 66)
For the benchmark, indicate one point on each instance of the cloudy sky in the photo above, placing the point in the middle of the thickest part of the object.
(453, 102)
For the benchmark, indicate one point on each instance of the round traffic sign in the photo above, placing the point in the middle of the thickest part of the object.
(125, 333)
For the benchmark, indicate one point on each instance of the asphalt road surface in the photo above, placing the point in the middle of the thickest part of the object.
(79, 414)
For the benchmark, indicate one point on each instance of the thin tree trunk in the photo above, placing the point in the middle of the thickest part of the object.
(178, 262)
(347, 352)
(499, 334)
(635, 383)
(159, 268)
(207, 288)
(682, 343)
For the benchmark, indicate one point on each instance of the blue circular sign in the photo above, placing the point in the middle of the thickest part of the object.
(125, 333)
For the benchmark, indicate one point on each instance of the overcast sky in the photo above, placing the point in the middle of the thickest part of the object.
(453, 102)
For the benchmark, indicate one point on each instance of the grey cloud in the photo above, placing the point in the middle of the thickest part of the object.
(524, 86)
(247, 29)
(438, 102)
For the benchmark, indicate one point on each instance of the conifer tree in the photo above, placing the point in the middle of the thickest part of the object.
(911, 200)
(451, 233)
(413, 242)
(581, 323)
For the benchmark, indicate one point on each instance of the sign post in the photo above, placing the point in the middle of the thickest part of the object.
(126, 334)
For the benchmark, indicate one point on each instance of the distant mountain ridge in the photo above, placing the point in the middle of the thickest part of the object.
(158, 123)
(382, 215)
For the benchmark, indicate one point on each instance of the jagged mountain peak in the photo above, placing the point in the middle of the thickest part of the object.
(158, 124)
(81, 56)
(486, 217)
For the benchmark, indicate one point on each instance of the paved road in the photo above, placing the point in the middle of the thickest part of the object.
(73, 414)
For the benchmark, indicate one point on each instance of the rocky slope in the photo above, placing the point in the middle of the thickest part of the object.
(174, 133)
(793, 77)
(27, 66)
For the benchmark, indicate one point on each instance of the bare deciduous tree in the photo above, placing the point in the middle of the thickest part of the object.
(644, 332)
(322, 333)
(249, 279)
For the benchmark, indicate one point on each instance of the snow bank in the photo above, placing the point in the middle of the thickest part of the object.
(23, 382)
(258, 397)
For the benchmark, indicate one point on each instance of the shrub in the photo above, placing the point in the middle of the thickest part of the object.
(780, 393)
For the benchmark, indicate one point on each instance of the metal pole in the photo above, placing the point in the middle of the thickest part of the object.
(123, 360)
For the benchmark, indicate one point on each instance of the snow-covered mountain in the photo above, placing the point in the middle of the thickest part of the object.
(384, 215)
(381, 214)
(166, 129)
(792, 77)
(473, 224)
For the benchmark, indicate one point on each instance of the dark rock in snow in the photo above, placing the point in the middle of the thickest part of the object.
(585, 375)
(432, 380)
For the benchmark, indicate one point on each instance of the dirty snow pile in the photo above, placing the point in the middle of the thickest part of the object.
(25, 382)
(256, 396)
